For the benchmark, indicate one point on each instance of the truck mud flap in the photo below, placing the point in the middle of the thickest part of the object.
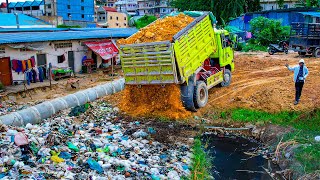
(187, 92)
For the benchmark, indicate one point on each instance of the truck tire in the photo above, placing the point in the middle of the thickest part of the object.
(200, 97)
(270, 51)
(302, 53)
(316, 53)
(226, 78)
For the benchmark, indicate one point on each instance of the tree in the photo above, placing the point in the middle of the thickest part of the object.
(280, 3)
(268, 31)
(224, 10)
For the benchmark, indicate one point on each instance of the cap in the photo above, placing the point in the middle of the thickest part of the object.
(301, 61)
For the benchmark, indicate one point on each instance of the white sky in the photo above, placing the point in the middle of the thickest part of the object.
(11, 1)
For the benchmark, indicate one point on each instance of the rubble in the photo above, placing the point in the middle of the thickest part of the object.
(96, 144)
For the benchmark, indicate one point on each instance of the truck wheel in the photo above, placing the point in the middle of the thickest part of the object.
(270, 51)
(317, 53)
(226, 78)
(200, 97)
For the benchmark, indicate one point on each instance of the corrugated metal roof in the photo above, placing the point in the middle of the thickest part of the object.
(8, 30)
(314, 14)
(27, 4)
(37, 3)
(9, 19)
(19, 4)
(23, 37)
(12, 4)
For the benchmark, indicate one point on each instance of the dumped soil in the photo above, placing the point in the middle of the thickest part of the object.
(160, 30)
(153, 101)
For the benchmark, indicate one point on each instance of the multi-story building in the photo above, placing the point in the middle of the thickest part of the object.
(154, 7)
(109, 3)
(127, 6)
(34, 8)
(273, 5)
(110, 18)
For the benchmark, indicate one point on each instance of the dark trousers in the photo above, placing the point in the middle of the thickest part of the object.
(299, 86)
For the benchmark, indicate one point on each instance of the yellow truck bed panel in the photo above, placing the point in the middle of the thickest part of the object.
(193, 47)
(148, 63)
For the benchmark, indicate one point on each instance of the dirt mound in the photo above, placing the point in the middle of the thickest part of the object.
(155, 101)
(160, 30)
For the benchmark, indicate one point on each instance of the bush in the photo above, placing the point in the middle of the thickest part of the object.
(145, 21)
(267, 31)
(66, 26)
(254, 47)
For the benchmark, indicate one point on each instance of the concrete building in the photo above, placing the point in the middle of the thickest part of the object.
(127, 6)
(110, 18)
(154, 7)
(61, 48)
(273, 5)
(34, 8)
(110, 3)
(3, 7)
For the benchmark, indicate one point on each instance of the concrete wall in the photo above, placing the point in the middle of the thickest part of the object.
(54, 20)
(117, 20)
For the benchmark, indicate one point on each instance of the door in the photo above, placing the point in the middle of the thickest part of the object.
(71, 59)
(5, 71)
(41, 60)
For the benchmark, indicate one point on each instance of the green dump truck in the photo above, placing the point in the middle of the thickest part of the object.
(199, 58)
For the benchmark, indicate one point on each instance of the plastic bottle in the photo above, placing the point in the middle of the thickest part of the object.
(72, 147)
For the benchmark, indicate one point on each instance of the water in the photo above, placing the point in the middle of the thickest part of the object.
(230, 162)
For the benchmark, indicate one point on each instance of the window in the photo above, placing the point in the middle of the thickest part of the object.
(82, 1)
(82, 16)
(63, 45)
(125, 24)
(69, 15)
(117, 18)
(49, 14)
(285, 6)
(110, 17)
(82, 8)
(104, 17)
(49, 6)
(2, 50)
(125, 18)
(163, 10)
(117, 24)
(61, 59)
(69, 7)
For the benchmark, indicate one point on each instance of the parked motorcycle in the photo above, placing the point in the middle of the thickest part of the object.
(283, 46)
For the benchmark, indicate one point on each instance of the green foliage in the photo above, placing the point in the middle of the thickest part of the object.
(253, 47)
(299, 120)
(66, 26)
(200, 162)
(280, 3)
(268, 31)
(145, 21)
(224, 10)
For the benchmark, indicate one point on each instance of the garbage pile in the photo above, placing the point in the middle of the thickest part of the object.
(9, 106)
(97, 144)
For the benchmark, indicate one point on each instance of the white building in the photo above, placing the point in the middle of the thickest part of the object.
(127, 6)
(61, 49)
(273, 5)
(154, 7)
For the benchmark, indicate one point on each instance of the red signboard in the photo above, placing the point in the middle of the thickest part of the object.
(106, 49)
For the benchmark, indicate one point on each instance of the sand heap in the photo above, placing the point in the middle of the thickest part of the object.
(160, 30)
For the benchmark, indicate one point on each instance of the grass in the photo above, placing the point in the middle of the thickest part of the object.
(306, 125)
(253, 47)
(201, 164)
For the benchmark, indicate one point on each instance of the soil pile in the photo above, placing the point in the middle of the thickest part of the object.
(160, 30)
(153, 101)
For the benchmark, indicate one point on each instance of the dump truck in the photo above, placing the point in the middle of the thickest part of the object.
(198, 58)
(305, 38)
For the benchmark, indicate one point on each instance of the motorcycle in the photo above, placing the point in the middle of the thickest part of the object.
(283, 46)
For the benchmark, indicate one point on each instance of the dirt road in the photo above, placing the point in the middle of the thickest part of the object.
(262, 82)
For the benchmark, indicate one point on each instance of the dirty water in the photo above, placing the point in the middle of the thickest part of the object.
(231, 160)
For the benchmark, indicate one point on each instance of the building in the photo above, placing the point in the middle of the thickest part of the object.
(109, 17)
(109, 3)
(273, 5)
(9, 20)
(3, 7)
(62, 48)
(154, 7)
(127, 6)
(34, 8)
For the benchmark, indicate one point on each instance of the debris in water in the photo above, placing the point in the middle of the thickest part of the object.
(156, 101)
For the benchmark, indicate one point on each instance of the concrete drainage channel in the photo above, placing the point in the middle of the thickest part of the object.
(37, 113)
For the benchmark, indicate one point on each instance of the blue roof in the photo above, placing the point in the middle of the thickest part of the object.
(37, 3)
(8, 30)
(27, 3)
(19, 4)
(23, 37)
(12, 4)
(9, 19)
(314, 14)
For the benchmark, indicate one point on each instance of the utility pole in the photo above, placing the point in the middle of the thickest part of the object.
(8, 10)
